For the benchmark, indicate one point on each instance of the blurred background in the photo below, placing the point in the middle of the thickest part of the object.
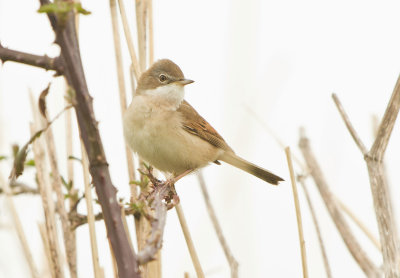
(261, 69)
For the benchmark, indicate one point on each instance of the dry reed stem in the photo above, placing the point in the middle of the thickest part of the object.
(57, 187)
(18, 227)
(70, 172)
(141, 20)
(122, 91)
(45, 241)
(189, 241)
(48, 205)
(132, 80)
(90, 214)
(129, 39)
(151, 29)
(298, 212)
(233, 264)
(359, 223)
(123, 105)
(349, 239)
(317, 229)
(382, 203)
(153, 268)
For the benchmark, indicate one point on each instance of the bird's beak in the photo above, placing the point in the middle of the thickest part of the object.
(184, 82)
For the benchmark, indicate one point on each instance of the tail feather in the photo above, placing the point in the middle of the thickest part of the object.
(250, 168)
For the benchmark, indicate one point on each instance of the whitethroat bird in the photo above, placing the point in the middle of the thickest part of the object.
(168, 133)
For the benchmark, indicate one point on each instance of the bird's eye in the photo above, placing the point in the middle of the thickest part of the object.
(162, 78)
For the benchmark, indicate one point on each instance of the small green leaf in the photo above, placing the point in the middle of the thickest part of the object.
(67, 185)
(79, 9)
(30, 162)
(2, 157)
(138, 207)
(71, 157)
(136, 182)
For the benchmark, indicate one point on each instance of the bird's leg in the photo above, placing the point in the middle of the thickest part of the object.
(176, 178)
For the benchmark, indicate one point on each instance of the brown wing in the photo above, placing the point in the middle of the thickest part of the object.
(195, 124)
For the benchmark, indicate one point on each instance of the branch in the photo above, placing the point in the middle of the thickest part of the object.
(385, 129)
(380, 194)
(349, 126)
(233, 264)
(78, 219)
(66, 37)
(349, 239)
(17, 188)
(154, 243)
(43, 62)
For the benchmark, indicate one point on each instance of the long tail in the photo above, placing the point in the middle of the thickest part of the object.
(250, 168)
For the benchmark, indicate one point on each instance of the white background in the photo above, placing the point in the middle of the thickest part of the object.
(279, 59)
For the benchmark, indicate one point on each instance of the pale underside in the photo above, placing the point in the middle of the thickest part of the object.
(156, 130)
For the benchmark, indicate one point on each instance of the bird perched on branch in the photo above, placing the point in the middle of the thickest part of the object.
(167, 132)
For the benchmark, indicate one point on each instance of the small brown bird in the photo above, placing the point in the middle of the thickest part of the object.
(168, 133)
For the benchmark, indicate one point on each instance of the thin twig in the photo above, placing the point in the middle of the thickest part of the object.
(358, 222)
(46, 246)
(298, 213)
(57, 187)
(189, 242)
(78, 219)
(48, 206)
(129, 39)
(233, 264)
(271, 132)
(316, 225)
(18, 227)
(349, 126)
(385, 128)
(349, 239)
(17, 188)
(90, 215)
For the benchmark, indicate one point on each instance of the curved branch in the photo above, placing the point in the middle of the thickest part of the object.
(349, 126)
(348, 237)
(385, 128)
(43, 62)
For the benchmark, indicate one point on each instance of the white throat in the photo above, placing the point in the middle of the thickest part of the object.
(172, 94)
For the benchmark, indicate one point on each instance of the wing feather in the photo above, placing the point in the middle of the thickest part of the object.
(197, 125)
